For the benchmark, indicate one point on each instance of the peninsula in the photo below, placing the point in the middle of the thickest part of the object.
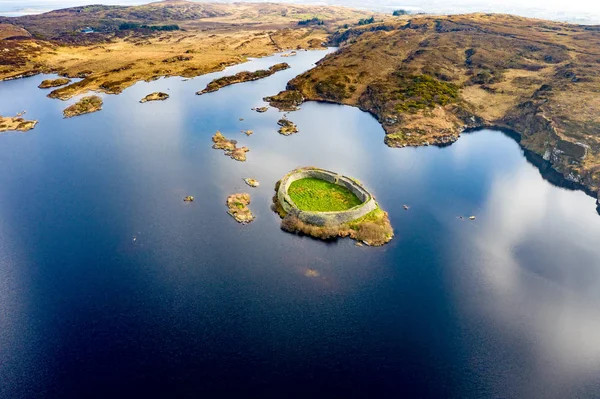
(50, 83)
(242, 77)
(168, 38)
(426, 79)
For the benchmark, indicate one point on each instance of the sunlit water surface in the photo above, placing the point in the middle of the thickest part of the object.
(111, 285)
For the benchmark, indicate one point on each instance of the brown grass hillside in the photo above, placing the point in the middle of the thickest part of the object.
(209, 36)
(427, 78)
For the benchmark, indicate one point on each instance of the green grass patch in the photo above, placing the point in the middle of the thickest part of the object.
(318, 195)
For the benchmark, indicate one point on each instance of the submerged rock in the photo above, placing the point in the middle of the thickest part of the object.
(238, 207)
(312, 273)
(156, 96)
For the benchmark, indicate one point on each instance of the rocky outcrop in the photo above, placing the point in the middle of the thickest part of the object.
(237, 205)
(49, 83)
(84, 106)
(252, 182)
(287, 100)
(156, 96)
(229, 147)
(16, 123)
(287, 127)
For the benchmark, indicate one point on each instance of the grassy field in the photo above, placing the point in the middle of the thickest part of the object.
(317, 195)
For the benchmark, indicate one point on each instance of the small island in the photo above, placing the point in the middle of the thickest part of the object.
(260, 110)
(86, 105)
(252, 182)
(325, 205)
(287, 127)
(156, 96)
(49, 83)
(229, 147)
(242, 77)
(238, 208)
(16, 123)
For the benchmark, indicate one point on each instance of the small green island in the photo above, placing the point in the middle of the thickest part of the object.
(86, 105)
(50, 83)
(326, 205)
(156, 96)
(242, 77)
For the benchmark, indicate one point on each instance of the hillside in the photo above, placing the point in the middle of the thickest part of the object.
(426, 79)
(170, 38)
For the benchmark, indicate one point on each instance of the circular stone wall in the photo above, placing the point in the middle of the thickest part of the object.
(325, 218)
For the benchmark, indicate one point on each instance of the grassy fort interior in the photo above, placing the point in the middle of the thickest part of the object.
(312, 194)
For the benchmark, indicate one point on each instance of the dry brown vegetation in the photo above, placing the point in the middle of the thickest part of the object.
(229, 147)
(16, 123)
(242, 77)
(49, 83)
(156, 96)
(427, 78)
(237, 205)
(287, 127)
(86, 105)
(211, 37)
(374, 229)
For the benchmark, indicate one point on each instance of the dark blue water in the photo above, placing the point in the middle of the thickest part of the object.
(505, 306)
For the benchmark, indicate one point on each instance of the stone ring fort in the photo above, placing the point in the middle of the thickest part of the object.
(367, 205)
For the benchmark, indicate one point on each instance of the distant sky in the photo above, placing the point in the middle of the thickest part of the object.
(581, 11)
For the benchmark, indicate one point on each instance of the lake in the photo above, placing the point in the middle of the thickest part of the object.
(111, 285)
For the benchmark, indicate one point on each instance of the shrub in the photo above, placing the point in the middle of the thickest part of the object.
(366, 21)
(311, 21)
